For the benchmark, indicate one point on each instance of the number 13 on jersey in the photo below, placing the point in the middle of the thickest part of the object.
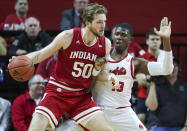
(121, 86)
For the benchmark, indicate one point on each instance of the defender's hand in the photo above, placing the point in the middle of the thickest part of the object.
(165, 28)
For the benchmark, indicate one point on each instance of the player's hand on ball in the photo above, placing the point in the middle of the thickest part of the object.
(10, 60)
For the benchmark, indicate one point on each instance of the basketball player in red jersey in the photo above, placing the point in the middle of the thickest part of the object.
(66, 90)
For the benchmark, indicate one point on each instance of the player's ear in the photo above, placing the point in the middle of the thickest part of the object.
(147, 41)
(87, 23)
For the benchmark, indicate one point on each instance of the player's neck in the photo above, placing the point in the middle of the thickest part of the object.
(154, 53)
(88, 37)
(117, 55)
(23, 15)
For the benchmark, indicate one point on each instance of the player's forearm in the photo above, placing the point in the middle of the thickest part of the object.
(151, 100)
(166, 43)
(103, 76)
(35, 57)
(163, 66)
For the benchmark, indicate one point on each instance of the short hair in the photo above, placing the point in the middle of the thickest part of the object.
(18, 0)
(32, 18)
(91, 10)
(32, 78)
(125, 26)
(150, 32)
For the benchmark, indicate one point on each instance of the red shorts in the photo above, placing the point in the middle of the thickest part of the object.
(56, 101)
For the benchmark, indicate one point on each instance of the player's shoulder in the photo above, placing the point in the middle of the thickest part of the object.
(107, 42)
(11, 15)
(68, 11)
(107, 39)
(66, 33)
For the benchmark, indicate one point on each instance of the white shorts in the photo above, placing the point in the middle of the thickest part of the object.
(124, 119)
(69, 125)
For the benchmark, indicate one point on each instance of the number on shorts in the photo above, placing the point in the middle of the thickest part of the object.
(120, 87)
(81, 69)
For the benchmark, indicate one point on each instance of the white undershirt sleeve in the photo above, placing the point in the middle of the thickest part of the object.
(163, 66)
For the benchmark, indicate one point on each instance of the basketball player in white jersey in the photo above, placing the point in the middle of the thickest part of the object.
(116, 102)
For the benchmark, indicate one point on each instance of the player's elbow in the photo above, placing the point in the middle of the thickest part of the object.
(168, 70)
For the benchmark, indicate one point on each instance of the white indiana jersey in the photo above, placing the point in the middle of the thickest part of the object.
(103, 94)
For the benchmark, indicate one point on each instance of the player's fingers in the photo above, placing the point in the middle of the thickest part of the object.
(166, 21)
(170, 24)
(13, 57)
(162, 23)
(155, 30)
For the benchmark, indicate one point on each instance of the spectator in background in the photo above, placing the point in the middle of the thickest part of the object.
(16, 21)
(5, 114)
(24, 105)
(134, 48)
(32, 39)
(45, 68)
(153, 42)
(3, 47)
(168, 99)
(72, 18)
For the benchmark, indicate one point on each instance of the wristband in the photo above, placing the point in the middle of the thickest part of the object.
(95, 72)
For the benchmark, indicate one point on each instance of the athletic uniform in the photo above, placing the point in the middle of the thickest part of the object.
(66, 90)
(115, 103)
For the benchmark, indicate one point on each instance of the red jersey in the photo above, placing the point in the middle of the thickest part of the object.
(15, 20)
(74, 65)
(135, 49)
(45, 68)
(142, 91)
(22, 111)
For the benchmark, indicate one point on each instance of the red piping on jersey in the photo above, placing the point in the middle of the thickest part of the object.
(132, 70)
(121, 107)
(119, 59)
(84, 128)
(48, 115)
(87, 114)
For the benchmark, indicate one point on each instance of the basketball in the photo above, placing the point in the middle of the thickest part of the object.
(21, 68)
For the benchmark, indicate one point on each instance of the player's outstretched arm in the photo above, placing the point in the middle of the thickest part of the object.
(62, 41)
(165, 33)
(164, 64)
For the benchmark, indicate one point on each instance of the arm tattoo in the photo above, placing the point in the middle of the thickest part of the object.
(35, 59)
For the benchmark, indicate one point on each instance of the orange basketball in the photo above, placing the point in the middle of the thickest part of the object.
(21, 68)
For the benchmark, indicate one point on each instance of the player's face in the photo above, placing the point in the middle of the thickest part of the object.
(154, 42)
(21, 6)
(97, 26)
(122, 38)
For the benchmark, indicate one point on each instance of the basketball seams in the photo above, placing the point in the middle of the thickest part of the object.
(24, 74)
(21, 68)
(18, 67)
(26, 71)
